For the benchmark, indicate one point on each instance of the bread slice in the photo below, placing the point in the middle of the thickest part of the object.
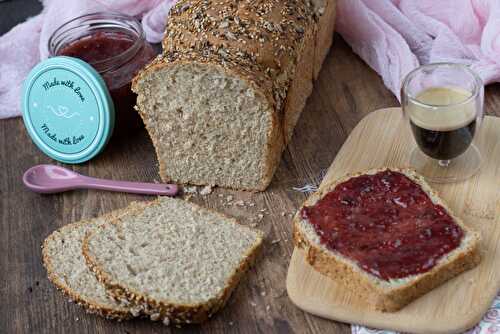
(66, 268)
(393, 294)
(174, 260)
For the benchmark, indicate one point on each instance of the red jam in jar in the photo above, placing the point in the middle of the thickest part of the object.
(386, 223)
(115, 46)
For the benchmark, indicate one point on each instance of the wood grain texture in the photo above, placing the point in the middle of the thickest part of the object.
(383, 138)
(346, 90)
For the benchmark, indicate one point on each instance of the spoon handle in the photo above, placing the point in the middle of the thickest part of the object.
(129, 187)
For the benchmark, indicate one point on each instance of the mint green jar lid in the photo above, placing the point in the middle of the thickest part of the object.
(67, 109)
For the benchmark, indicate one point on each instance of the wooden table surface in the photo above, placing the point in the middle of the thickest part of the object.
(346, 90)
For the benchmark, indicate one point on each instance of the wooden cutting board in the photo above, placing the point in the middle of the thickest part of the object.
(384, 139)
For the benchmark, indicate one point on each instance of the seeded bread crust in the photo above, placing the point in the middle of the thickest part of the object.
(261, 40)
(384, 296)
(275, 46)
(90, 305)
(172, 313)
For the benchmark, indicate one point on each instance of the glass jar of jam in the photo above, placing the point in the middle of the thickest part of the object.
(114, 44)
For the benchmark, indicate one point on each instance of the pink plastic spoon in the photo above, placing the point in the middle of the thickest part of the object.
(53, 179)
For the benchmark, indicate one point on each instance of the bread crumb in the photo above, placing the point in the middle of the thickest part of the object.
(155, 316)
(239, 203)
(275, 241)
(125, 302)
(221, 195)
(263, 293)
(253, 304)
(262, 210)
(268, 308)
(229, 198)
(206, 190)
(260, 216)
(251, 204)
(231, 323)
(136, 311)
(254, 224)
(166, 321)
(190, 189)
(281, 294)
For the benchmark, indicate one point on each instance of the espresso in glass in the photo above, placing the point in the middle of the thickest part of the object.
(443, 104)
(448, 134)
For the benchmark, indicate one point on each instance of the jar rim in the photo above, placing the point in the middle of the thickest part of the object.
(62, 36)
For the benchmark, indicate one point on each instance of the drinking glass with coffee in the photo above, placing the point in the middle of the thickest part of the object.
(443, 103)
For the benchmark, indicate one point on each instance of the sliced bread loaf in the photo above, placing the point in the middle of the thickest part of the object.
(221, 102)
(176, 261)
(391, 278)
(66, 268)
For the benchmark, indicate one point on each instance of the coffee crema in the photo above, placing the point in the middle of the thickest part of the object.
(445, 124)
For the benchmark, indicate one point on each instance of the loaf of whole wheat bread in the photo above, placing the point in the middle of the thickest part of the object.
(221, 102)
(393, 293)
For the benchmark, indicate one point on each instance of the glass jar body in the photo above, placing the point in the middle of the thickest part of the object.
(115, 46)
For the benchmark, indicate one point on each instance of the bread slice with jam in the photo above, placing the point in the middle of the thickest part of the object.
(385, 235)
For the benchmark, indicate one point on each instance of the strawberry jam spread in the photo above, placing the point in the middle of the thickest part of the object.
(386, 223)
